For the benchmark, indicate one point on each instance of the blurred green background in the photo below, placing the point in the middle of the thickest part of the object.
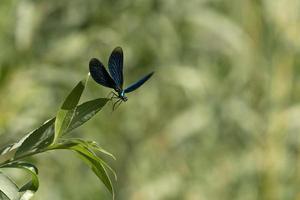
(218, 120)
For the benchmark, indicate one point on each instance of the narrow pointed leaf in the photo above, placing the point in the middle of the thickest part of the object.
(90, 158)
(62, 122)
(40, 138)
(67, 110)
(8, 188)
(5, 148)
(73, 98)
(92, 146)
(31, 186)
(95, 146)
(37, 139)
(86, 111)
(98, 169)
(3, 196)
(7, 153)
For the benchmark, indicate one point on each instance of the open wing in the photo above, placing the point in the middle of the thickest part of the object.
(115, 66)
(137, 84)
(100, 75)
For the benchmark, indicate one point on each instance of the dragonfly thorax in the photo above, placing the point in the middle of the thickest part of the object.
(122, 95)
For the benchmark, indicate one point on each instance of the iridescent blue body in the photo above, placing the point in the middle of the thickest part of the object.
(114, 79)
(122, 96)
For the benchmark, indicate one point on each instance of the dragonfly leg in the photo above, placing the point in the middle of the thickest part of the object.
(118, 102)
(112, 96)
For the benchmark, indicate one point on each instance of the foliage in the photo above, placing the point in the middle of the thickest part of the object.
(220, 119)
(49, 137)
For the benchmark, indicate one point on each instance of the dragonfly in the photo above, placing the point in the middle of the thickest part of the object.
(114, 79)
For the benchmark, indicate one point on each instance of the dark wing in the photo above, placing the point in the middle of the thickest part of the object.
(115, 66)
(99, 74)
(137, 84)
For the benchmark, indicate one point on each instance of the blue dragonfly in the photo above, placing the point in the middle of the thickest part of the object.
(114, 79)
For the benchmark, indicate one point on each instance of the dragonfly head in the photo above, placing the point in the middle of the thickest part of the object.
(122, 95)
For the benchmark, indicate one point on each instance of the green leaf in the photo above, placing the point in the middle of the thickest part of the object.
(66, 112)
(98, 169)
(41, 137)
(3, 196)
(73, 98)
(4, 149)
(62, 122)
(86, 111)
(7, 153)
(37, 139)
(31, 186)
(92, 145)
(8, 188)
(89, 157)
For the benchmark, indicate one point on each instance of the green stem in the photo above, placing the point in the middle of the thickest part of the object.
(21, 157)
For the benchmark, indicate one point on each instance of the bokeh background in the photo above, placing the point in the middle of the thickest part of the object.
(218, 120)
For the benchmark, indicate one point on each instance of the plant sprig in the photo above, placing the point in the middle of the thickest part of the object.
(49, 137)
